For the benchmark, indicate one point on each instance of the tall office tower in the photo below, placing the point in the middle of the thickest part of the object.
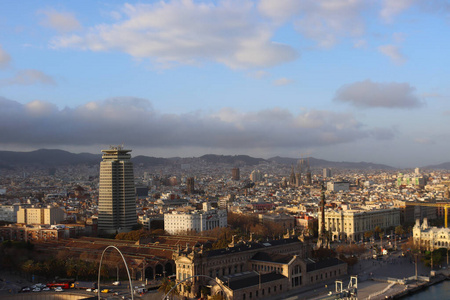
(326, 173)
(235, 175)
(190, 185)
(116, 201)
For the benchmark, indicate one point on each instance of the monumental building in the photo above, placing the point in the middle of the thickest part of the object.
(252, 270)
(430, 238)
(206, 219)
(116, 201)
(352, 224)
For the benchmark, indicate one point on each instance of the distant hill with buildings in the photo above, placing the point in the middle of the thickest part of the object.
(443, 166)
(46, 158)
(232, 159)
(321, 163)
(54, 158)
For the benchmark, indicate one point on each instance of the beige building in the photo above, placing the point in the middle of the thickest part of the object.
(352, 224)
(252, 270)
(49, 215)
(430, 238)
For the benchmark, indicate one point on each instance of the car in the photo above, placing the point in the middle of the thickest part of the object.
(46, 289)
(36, 289)
(95, 291)
(116, 283)
(26, 290)
(88, 290)
(105, 291)
(59, 289)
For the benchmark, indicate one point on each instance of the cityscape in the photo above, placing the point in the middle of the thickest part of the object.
(224, 149)
(228, 227)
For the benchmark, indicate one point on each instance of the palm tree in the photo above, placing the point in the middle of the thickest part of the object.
(167, 285)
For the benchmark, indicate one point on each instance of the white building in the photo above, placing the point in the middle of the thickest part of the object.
(337, 186)
(8, 213)
(49, 215)
(430, 238)
(352, 224)
(207, 219)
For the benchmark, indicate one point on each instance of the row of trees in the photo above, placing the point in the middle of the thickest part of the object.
(70, 268)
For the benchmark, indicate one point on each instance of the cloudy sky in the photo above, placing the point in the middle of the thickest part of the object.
(343, 80)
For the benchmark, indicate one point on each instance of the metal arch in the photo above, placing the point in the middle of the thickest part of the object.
(126, 266)
(224, 292)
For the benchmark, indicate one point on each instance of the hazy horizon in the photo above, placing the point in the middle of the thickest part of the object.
(336, 80)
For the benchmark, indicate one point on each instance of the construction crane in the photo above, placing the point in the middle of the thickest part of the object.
(444, 205)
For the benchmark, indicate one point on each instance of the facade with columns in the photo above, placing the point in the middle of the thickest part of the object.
(351, 224)
(206, 219)
(430, 238)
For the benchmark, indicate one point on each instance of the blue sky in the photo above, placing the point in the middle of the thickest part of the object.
(343, 80)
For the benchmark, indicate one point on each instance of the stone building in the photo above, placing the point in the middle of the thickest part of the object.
(251, 270)
(352, 224)
(430, 238)
(206, 219)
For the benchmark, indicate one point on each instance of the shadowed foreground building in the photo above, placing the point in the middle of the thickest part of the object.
(252, 270)
(116, 201)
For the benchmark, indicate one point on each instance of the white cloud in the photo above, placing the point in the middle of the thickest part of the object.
(393, 53)
(28, 77)
(283, 81)
(391, 8)
(134, 122)
(321, 20)
(60, 21)
(5, 58)
(373, 94)
(259, 74)
(361, 43)
(185, 32)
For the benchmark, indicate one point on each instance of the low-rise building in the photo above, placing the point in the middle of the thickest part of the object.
(352, 224)
(206, 219)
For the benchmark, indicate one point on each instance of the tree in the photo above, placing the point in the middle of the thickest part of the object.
(399, 230)
(368, 234)
(167, 285)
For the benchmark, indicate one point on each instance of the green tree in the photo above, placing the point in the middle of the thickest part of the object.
(28, 267)
(166, 286)
(399, 230)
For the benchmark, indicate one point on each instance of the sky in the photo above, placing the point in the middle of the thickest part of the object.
(342, 80)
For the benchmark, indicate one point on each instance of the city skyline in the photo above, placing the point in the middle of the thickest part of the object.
(342, 80)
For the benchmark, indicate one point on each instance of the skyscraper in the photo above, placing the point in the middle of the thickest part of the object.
(190, 185)
(235, 174)
(116, 201)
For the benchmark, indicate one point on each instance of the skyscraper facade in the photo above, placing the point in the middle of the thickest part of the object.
(235, 174)
(116, 201)
(190, 184)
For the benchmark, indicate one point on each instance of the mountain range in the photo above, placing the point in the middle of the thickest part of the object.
(47, 158)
